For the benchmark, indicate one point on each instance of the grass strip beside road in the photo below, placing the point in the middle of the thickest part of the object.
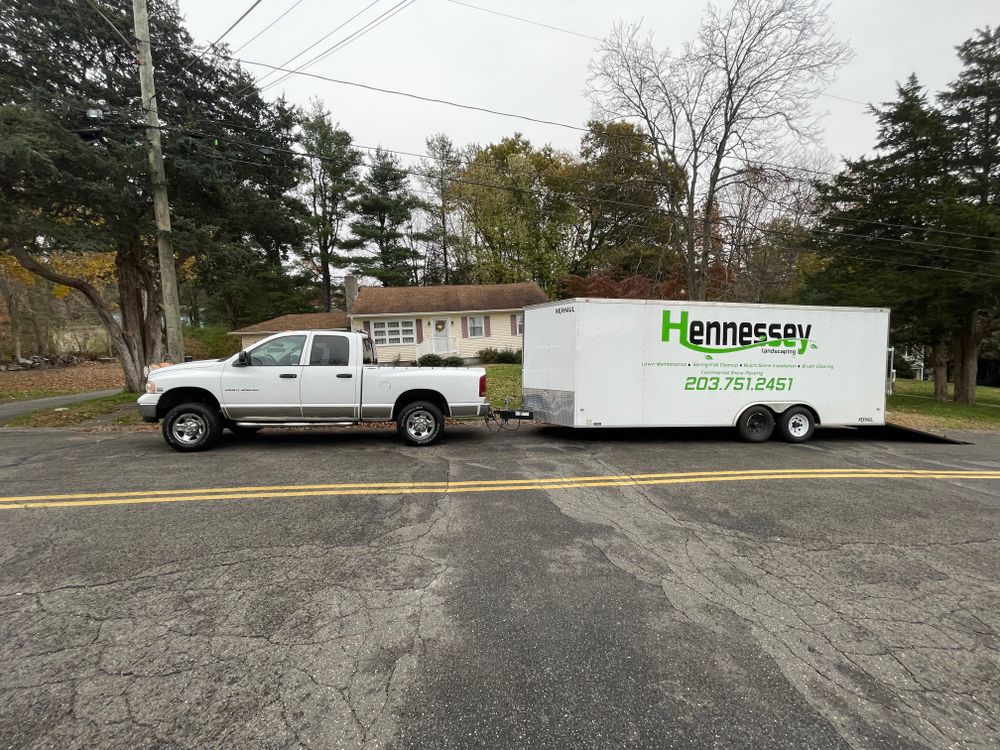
(913, 405)
(120, 408)
(140, 497)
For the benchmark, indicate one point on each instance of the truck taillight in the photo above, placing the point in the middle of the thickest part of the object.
(482, 385)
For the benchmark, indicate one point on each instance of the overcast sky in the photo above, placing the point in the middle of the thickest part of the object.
(442, 49)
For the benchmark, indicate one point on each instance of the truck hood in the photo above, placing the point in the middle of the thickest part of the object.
(200, 364)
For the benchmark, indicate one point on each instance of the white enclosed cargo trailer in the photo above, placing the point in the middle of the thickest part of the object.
(655, 363)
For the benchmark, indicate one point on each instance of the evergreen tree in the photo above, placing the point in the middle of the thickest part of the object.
(897, 226)
(331, 181)
(438, 174)
(73, 176)
(384, 209)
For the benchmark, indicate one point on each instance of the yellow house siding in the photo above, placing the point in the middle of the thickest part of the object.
(499, 338)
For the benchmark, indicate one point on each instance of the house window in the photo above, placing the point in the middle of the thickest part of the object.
(477, 328)
(520, 324)
(394, 332)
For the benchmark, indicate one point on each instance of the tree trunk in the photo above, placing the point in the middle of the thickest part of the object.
(14, 312)
(967, 362)
(129, 355)
(939, 365)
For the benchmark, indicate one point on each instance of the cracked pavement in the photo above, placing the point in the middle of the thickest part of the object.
(812, 612)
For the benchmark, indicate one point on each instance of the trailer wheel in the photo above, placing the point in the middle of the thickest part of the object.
(756, 424)
(420, 423)
(797, 424)
(192, 427)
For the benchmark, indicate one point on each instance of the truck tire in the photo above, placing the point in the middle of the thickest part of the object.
(192, 427)
(756, 424)
(797, 424)
(420, 423)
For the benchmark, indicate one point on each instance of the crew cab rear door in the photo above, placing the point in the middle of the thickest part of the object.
(267, 389)
(331, 381)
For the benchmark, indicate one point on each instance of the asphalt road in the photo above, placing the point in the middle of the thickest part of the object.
(529, 590)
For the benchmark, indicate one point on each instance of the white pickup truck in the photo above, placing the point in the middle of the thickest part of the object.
(301, 378)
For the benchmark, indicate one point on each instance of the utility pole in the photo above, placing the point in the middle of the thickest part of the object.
(161, 207)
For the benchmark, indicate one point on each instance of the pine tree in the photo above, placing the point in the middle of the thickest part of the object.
(331, 182)
(384, 208)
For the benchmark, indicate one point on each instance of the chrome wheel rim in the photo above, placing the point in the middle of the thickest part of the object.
(798, 425)
(420, 424)
(189, 429)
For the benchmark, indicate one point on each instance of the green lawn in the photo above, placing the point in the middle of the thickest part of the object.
(984, 395)
(119, 409)
(503, 381)
(913, 404)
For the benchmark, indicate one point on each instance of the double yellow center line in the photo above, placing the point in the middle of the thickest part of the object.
(499, 485)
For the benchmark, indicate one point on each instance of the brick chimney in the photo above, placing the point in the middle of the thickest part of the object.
(350, 291)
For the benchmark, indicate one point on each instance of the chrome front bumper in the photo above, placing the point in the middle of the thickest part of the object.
(147, 406)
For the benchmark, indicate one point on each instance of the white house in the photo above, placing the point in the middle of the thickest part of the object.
(408, 322)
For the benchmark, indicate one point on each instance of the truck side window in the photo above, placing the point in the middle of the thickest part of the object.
(330, 350)
(284, 351)
(369, 352)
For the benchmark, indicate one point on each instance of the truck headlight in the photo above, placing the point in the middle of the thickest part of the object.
(150, 386)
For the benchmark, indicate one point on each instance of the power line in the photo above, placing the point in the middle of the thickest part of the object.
(764, 230)
(210, 47)
(295, 57)
(349, 39)
(267, 28)
(526, 20)
(611, 183)
(499, 113)
(598, 39)
(128, 42)
(912, 247)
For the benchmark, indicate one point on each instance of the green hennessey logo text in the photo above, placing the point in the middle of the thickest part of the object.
(723, 337)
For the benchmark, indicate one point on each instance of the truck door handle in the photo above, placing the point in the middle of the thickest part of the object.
(344, 375)
(288, 375)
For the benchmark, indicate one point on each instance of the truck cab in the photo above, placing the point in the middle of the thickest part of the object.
(299, 378)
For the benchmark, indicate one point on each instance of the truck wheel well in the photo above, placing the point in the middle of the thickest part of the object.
(177, 396)
(419, 394)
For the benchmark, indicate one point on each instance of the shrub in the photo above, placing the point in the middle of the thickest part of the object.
(509, 357)
(430, 360)
(487, 356)
(454, 362)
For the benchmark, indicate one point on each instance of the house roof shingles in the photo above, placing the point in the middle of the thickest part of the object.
(428, 299)
(299, 322)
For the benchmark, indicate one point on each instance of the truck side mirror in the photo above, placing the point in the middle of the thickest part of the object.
(242, 359)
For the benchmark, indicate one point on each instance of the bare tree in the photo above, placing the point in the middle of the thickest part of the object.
(720, 109)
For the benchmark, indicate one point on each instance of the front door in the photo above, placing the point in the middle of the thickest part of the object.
(268, 388)
(442, 335)
(330, 382)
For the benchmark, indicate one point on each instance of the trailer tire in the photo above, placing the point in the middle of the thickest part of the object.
(420, 423)
(756, 424)
(192, 427)
(797, 424)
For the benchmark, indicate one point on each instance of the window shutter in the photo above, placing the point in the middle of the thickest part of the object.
(513, 325)
(486, 326)
(420, 331)
(465, 327)
(368, 327)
